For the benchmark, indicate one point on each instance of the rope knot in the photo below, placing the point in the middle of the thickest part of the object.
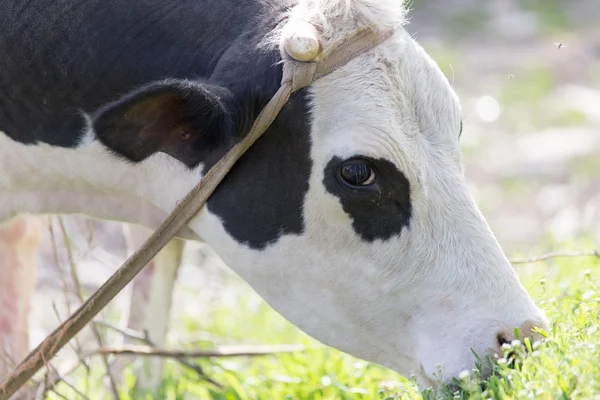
(299, 74)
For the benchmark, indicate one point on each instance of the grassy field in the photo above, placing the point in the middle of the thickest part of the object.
(567, 366)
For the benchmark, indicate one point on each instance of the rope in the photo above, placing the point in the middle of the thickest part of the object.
(296, 75)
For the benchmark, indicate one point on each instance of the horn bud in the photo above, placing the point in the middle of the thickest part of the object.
(301, 41)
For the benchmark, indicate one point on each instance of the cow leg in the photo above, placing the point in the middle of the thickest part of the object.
(19, 241)
(151, 298)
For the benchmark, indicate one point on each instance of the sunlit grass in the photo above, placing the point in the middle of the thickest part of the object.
(567, 366)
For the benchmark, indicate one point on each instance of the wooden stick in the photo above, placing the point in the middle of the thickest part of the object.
(557, 254)
(225, 351)
(130, 333)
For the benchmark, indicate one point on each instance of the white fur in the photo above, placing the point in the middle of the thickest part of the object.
(301, 41)
(89, 180)
(338, 18)
(411, 302)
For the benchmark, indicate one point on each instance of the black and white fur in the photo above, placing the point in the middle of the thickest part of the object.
(116, 108)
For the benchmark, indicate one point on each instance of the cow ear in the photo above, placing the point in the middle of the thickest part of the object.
(187, 120)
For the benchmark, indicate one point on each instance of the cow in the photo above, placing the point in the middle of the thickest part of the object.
(350, 216)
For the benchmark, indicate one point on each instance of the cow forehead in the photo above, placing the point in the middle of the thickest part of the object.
(377, 106)
(398, 67)
(391, 103)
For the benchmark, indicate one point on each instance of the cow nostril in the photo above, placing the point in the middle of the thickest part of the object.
(501, 338)
(527, 331)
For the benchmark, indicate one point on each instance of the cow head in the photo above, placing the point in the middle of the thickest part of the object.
(351, 216)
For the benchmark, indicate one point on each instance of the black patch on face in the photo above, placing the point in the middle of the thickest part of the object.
(262, 198)
(99, 56)
(62, 57)
(379, 211)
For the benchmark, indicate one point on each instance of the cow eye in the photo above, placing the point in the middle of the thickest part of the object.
(357, 173)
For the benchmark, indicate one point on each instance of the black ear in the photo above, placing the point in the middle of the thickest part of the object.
(185, 119)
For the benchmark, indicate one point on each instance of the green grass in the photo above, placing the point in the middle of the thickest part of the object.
(566, 367)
